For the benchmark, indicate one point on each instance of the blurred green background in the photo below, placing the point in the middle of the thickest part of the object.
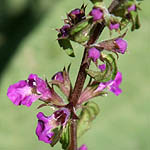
(28, 45)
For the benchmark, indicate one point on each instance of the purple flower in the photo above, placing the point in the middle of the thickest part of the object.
(132, 8)
(102, 67)
(76, 11)
(97, 14)
(93, 53)
(64, 31)
(114, 26)
(58, 76)
(45, 126)
(122, 45)
(25, 92)
(112, 85)
(83, 147)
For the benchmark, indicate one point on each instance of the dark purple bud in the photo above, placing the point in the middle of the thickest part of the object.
(93, 53)
(46, 124)
(64, 31)
(97, 14)
(132, 8)
(121, 45)
(77, 15)
(76, 11)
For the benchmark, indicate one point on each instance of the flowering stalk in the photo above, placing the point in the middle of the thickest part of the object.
(82, 74)
(64, 125)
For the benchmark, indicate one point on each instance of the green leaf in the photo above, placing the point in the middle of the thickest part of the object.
(65, 138)
(56, 137)
(66, 45)
(135, 20)
(87, 115)
(78, 27)
(82, 31)
(110, 71)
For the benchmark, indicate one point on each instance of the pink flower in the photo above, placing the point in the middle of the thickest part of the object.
(46, 124)
(25, 92)
(112, 85)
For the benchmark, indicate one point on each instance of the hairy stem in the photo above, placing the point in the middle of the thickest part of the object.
(82, 74)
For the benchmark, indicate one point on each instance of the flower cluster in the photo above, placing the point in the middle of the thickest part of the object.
(25, 92)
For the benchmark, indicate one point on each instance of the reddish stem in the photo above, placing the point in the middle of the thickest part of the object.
(82, 75)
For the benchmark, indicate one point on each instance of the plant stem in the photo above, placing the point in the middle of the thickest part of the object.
(82, 74)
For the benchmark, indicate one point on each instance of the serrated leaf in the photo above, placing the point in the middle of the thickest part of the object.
(109, 73)
(65, 138)
(66, 45)
(87, 115)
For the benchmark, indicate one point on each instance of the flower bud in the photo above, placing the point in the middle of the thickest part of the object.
(102, 67)
(93, 53)
(64, 31)
(132, 8)
(116, 45)
(77, 15)
(122, 45)
(114, 26)
(97, 14)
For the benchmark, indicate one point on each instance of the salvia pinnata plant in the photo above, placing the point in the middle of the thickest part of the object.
(65, 125)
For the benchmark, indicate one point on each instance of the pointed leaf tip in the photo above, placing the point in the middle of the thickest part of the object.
(66, 45)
